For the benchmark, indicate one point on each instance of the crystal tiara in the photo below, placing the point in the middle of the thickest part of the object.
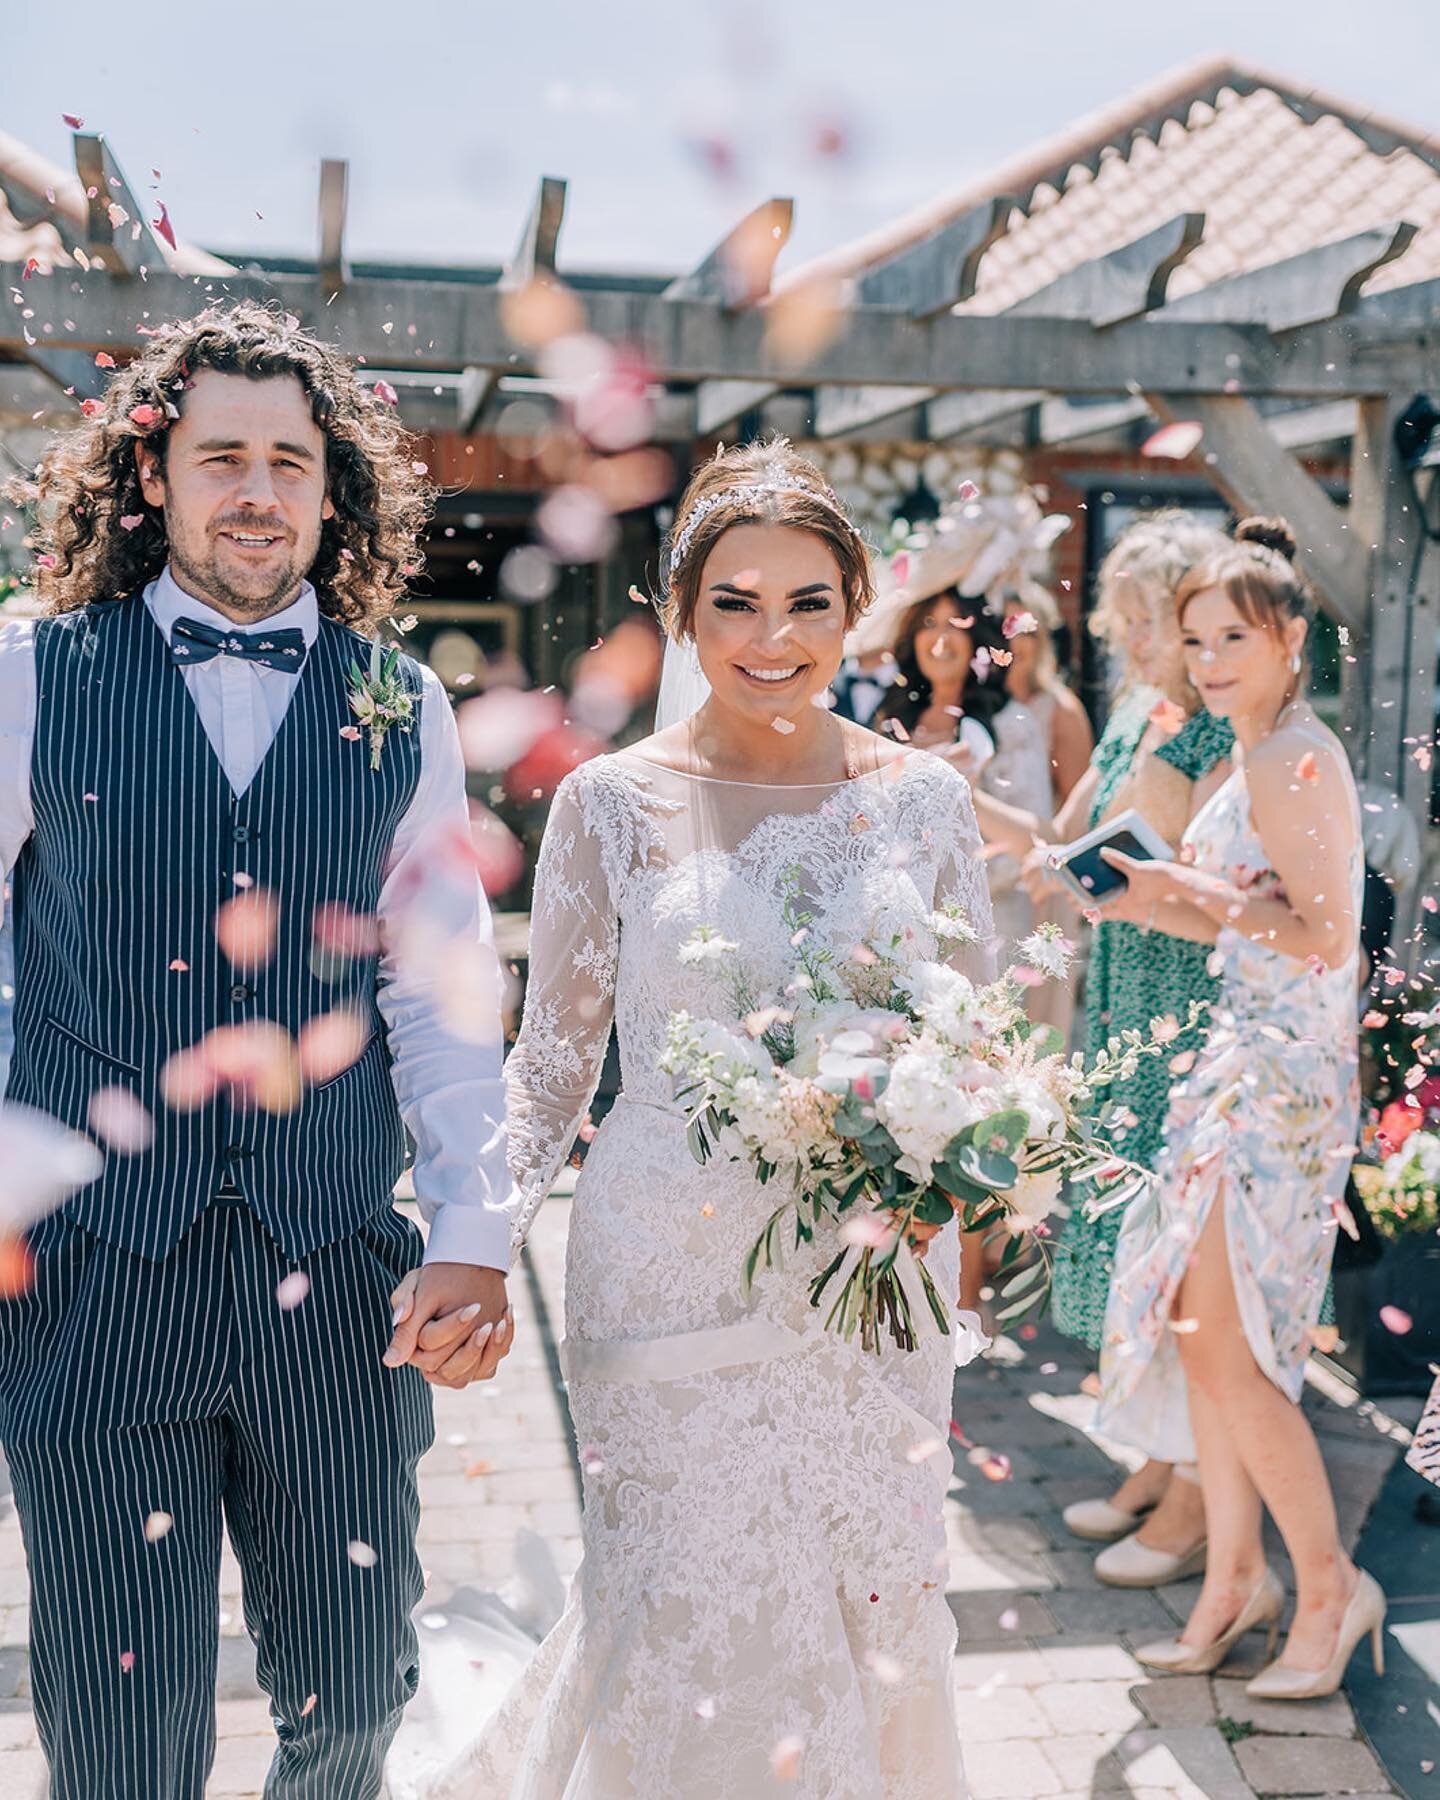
(750, 491)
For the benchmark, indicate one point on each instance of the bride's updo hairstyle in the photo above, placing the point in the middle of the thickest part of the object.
(1256, 574)
(758, 484)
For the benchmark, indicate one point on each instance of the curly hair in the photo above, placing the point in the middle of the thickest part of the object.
(86, 491)
(767, 483)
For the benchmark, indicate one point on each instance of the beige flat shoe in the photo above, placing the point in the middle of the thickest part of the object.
(1365, 1613)
(1264, 1607)
(1131, 1564)
(1100, 1521)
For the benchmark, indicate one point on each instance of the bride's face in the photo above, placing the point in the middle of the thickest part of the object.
(770, 620)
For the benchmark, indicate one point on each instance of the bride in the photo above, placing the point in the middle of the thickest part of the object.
(761, 1605)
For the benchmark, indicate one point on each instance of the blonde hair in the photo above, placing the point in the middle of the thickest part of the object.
(767, 483)
(1154, 555)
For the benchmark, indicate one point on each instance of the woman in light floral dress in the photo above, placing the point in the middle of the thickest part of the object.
(1220, 1272)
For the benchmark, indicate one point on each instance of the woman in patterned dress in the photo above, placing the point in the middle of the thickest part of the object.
(1220, 1270)
(1160, 751)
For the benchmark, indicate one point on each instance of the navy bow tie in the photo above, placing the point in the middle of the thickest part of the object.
(193, 641)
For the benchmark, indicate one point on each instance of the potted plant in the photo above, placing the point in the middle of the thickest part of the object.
(1388, 1305)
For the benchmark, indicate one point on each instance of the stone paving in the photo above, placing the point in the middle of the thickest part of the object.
(1051, 1701)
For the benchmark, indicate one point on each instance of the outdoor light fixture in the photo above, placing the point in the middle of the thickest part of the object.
(1417, 440)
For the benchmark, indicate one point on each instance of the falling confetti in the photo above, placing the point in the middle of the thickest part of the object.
(119, 1119)
(292, 1290)
(785, 1758)
(1175, 441)
(1395, 1321)
(361, 1554)
(157, 1526)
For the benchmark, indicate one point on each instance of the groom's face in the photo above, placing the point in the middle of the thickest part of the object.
(243, 491)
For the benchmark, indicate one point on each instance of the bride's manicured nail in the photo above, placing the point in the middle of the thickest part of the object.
(470, 1311)
(482, 1336)
(402, 1311)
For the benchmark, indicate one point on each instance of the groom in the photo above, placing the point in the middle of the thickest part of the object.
(231, 906)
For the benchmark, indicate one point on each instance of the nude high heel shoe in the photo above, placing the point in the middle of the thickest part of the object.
(1262, 1608)
(1365, 1613)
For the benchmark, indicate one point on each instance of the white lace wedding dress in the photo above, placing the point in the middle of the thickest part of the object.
(761, 1606)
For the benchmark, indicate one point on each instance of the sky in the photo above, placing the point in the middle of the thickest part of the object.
(670, 118)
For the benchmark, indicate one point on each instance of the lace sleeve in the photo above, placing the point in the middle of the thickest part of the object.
(551, 1074)
(960, 871)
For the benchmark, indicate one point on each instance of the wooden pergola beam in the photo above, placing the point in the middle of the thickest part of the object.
(1318, 284)
(1323, 283)
(720, 403)
(1123, 284)
(333, 207)
(533, 260)
(1255, 475)
(121, 244)
(1396, 694)
(930, 277)
(449, 325)
(739, 270)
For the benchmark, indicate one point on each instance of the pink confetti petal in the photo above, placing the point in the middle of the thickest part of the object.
(362, 1554)
(292, 1291)
(76, 123)
(118, 1118)
(384, 391)
(311, 1701)
(162, 226)
(131, 521)
(1175, 441)
(127, 1661)
(180, 966)
(145, 416)
(104, 360)
(158, 1525)
(1396, 1321)
(785, 1758)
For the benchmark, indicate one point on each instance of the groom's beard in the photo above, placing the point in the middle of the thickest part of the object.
(240, 593)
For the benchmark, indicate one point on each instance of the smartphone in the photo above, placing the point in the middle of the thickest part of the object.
(1086, 873)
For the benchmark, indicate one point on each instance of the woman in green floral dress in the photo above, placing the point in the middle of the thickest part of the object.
(1162, 754)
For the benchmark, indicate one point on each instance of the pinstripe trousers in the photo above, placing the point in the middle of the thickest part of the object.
(140, 1401)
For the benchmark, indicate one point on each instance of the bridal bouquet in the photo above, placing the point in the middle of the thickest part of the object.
(888, 1089)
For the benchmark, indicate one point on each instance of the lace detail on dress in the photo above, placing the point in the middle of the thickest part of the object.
(764, 1548)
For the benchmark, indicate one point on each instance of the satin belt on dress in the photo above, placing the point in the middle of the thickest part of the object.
(686, 1353)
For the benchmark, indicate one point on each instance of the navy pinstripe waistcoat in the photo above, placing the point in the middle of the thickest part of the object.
(138, 840)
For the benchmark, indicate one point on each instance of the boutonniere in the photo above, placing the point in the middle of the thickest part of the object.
(379, 698)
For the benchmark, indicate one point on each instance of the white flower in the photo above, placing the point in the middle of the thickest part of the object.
(706, 945)
(1047, 951)
(1023, 1091)
(952, 928)
(898, 930)
(927, 1100)
(1034, 1195)
(818, 1027)
(946, 1001)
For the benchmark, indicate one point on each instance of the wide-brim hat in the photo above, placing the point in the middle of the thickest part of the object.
(985, 547)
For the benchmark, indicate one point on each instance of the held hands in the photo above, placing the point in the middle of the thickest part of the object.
(453, 1321)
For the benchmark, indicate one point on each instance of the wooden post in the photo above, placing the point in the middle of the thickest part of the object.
(1398, 659)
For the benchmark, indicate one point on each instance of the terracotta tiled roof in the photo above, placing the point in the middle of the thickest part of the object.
(1275, 168)
(34, 175)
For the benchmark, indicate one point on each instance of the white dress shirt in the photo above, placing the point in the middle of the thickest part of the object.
(449, 1086)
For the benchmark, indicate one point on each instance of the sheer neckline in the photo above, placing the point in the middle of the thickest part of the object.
(791, 787)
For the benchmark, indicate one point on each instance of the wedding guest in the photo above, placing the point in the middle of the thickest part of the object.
(1043, 746)
(1033, 680)
(1220, 1270)
(1158, 752)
